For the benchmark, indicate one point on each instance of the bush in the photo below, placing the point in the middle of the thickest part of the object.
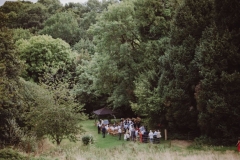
(87, 140)
(201, 143)
(10, 154)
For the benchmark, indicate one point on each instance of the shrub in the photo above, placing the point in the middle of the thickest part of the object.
(87, 140)
(202, 140)
(10, 154)
(201, 143)
(25, 140)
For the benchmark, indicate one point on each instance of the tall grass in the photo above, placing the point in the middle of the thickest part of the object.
(132, 151)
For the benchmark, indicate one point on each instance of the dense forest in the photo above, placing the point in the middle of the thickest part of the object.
(175, 61)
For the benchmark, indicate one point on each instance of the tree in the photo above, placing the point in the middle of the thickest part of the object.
(179, 72)
(13, 11)
(89, 17)
(63, 25)
(218, 58)
(225, 18)
(152, 19)
(217, 91)
(53, 110)
(43, 54)
(10, 69)
(52, 5)
(32, 17)
(84, 46)
(116, 42)
(20, 33)
(85, 79)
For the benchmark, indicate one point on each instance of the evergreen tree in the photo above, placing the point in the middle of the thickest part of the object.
(179, 71)
(10, 69)
(218, 61)
(218, 90)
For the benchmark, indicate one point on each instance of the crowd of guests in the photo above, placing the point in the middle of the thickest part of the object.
(130, 130)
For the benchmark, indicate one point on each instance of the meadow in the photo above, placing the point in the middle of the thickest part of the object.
(110, 148)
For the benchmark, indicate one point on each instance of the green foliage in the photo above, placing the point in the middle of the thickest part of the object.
(87, 140)
(43, 54)
(153, 18)
(4, 19)
(52, 5)
(146, 84)
(53, 111)
(10, 63)
(26, 141)
(10, 69)
(116, 42)
(20, 33)
(85, 75)
(10, 154)
(179, 73)
(84, 46)
(63, 25)
(192, 17)
(59, 123)
(218, 88)
(153, 32)
(92, 9)
(225, 18)
(13, 10)
(28, 15)
(32, 17)
(201, 141)
(176, 61)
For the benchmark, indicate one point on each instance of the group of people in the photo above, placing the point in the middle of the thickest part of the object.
(130, 129)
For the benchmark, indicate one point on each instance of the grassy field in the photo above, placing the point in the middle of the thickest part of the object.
(110, 148)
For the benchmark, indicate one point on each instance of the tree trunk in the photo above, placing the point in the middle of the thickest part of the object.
(58, 142)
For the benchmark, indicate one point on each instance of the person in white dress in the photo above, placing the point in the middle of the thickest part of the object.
(150, 135)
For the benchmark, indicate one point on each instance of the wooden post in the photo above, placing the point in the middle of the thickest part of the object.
(165, 133)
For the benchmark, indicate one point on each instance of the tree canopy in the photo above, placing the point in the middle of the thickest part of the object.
(43, 54)
(10, 70)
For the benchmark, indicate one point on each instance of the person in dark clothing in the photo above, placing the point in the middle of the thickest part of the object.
(145, 137)
(99, 126)
(103, 131)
